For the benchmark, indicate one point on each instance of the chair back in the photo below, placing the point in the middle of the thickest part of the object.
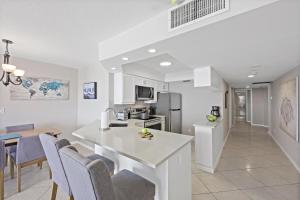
(2, 155)
(51, 146)
(29, 149)
(88, 179)
(23, 127)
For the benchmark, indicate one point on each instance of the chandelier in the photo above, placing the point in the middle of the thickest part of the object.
(10, 72)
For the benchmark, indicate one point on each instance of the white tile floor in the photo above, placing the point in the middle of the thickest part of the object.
(252, 167)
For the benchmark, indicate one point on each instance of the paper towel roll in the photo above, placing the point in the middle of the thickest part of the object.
(104, 120)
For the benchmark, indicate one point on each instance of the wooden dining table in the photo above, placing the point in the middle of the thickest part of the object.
(52, 131)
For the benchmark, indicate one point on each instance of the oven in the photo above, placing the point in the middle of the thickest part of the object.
(153, 123)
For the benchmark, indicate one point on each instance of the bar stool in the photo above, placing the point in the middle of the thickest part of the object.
(90, 179)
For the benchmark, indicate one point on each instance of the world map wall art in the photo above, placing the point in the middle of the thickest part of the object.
(40, 89)
(289, 108)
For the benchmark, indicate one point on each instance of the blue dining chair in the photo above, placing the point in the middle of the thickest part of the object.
(11, 149)
(90, 180)
(2, 166)
(29, 152)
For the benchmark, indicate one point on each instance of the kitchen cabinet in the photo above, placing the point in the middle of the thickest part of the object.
(144, 82)
(207, 77)
(162, 87)
(124, 88)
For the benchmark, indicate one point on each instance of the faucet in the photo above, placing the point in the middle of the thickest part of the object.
(113, 111)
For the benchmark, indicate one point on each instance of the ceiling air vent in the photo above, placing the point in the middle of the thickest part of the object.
(194, 10)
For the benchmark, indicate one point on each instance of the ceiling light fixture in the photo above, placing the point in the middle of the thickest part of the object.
(113, 68)
(165, 64)
(251, 76)
(125, 58)
(10, 70)
(152, 50)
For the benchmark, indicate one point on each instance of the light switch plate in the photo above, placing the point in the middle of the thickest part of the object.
(2, 110)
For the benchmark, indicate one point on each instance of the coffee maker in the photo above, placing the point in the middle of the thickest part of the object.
(215, 111)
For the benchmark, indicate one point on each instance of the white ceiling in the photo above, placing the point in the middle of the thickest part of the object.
(153, 64)
(67, 32)
(267, 38)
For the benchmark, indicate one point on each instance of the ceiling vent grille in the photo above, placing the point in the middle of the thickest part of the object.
(195, 10)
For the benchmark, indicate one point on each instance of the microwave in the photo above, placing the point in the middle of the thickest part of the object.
(144, 93)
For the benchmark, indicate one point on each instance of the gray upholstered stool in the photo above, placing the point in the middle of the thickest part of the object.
(51, 147)
(89, 179)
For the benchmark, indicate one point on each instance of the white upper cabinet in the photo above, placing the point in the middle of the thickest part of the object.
(124, 88)
(207, 77)
(144, 82)
(162, 87)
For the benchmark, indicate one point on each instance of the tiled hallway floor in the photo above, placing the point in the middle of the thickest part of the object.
(252, 167)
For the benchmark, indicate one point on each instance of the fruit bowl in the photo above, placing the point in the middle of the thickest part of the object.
(145, 133)
(211, 118)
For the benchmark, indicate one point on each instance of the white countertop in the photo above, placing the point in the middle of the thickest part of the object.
(207, 124)
(126, 141)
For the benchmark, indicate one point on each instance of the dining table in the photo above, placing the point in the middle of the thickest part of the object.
(27, 133)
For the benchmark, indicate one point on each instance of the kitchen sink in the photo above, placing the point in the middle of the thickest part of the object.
(118, 125)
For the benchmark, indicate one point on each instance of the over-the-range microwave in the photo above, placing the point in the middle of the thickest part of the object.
(144, 93)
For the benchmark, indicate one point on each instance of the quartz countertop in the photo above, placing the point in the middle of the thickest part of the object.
(206, 123)
(127, 142)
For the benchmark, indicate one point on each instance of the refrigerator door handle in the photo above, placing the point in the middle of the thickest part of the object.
(170, 122)
(175, 109)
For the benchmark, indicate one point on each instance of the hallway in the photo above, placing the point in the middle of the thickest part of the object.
(252, 167)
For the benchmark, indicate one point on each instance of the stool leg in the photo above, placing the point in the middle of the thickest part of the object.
(54, 191)
(1, 185)
(71, 198)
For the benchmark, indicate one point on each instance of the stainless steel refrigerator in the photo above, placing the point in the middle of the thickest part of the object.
(169, 105)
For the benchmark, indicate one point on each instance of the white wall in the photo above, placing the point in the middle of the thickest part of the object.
(196, 104)
(90, 110)
(290, 146)
(61, 114)
(260, 106)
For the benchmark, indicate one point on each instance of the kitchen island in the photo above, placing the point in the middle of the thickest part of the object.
(164, 160)
(210, 139)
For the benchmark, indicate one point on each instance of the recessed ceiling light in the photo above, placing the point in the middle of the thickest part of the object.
(125, 58)
(113, 68)
(165, 64)
(152, 50)
(251, 76)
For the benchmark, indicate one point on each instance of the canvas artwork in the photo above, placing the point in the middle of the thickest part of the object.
(40, 89)
(289, 108)
(90, 90)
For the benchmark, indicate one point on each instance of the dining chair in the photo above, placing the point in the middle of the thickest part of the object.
(29, 152)
(90, 179)
(2, 166)
(16, 128)
(51, 147)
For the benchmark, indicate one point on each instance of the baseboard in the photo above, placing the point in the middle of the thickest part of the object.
(287, 155)
(206, 169)
(220, 153)
(266, 126)
(84, 145)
